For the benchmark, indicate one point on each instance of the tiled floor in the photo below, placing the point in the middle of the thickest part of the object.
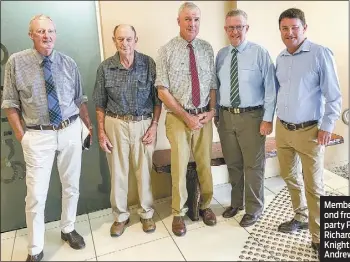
(225, 241)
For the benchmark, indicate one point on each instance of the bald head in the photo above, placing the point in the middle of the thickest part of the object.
(123, 26)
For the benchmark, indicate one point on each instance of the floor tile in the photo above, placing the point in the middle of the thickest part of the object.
(91, 259)
(51, 225)
(57, 250)
(10, 234)
(222, 242)
(6, 249)
(164, 211)
(336, 182)
(275, 184)
(132, 236)
(159, 250)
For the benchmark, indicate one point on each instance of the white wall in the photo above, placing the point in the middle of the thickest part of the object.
(328, 25)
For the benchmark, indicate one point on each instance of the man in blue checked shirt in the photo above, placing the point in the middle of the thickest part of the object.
(247, 98)
(308, 104)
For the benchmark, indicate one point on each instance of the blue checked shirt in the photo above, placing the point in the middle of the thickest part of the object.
(24, 86)
(126, 91)
(256, 78)
(309, 86)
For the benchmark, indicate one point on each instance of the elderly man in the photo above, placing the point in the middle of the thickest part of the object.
(247, 99)
(186, 85)
(126, 99)
(308, 104)
(43, 86)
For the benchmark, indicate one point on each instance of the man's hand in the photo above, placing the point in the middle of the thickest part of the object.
(90, 131)
(265, 128)
(193, 122)
(104, 142)
(150, 135)
(323, 137)
(19, 136)
(206, 117)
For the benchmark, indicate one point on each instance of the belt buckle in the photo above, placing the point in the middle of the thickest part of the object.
(196, 111)
(291, 127)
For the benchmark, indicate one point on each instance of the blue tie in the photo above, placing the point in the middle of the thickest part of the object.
(234, 92)
(52, 99)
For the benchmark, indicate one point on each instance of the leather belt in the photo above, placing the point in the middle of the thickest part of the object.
(62, 125)
(129, 117)
(238, 110)
(196, 111)
(293, 127)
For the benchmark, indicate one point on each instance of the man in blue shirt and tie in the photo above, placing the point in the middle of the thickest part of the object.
(247, 98)
(308, 104)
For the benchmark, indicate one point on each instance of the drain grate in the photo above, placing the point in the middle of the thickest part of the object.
(277, 246)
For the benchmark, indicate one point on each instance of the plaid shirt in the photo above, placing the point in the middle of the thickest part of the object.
(173, 70)
(126, 91)
(24, 86)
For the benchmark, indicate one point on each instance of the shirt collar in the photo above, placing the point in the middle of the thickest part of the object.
(304, 47)
(117, 64)
(239, 48)
(52, 57)
(183, 43)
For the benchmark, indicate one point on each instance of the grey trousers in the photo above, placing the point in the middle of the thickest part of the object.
(244, 151)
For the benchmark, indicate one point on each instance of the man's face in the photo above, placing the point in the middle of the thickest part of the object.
(189, 22)
(236, 29)
(125, 40)
(292, 32)
(43, 34)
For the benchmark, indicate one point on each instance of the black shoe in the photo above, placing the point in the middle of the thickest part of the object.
(230, 212)
(75, 240)
(292, 226)
(248, 220)
(316, 247)
(37, 257)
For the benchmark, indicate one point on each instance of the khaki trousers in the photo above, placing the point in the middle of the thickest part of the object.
(183, 141)
(126, 138)
(304, 189)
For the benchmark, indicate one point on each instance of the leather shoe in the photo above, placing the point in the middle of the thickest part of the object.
(208, 216)
(230, 212)
(316, 247)
(292, 226)
(179, 226)
(117, 228)
(37, 257)
(75, 240)
(248, 220)
(148, 225)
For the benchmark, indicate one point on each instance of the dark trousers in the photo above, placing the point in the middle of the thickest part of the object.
(244, 151)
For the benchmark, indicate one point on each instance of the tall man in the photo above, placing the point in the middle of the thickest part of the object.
(43, 86)
(247, 99)
(308, 104)
(126, 98)
(186, 85)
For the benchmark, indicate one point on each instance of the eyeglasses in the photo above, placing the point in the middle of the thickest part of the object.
(238, 28)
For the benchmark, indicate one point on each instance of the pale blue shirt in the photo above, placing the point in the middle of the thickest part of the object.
(256, 77)
(309, 86)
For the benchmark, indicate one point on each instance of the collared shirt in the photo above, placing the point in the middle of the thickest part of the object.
(24, 86)
(256, 77)
(126, 91)
(173, 70)
(309, 86)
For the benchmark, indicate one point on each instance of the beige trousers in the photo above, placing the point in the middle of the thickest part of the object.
(126, 138)
(183, 141)
(305, 189)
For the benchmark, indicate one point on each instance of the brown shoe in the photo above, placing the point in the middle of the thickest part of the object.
(179, 226)
(117, 228)
(209, 217)
(148, 225)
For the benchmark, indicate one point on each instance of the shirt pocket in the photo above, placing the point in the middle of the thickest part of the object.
(25, 92)
(144, 89)
(204, 73)
(66, 90)
(248, 72)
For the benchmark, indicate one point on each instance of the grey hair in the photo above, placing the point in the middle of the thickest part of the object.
(41, 16)
(188, 5)
(237, 12)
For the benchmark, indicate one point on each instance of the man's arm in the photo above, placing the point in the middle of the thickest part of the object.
(329, 84)
(103, 140)
(84, 115)
(15, 122)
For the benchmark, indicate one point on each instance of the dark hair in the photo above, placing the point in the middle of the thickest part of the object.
(292, 13)
(132, 28)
